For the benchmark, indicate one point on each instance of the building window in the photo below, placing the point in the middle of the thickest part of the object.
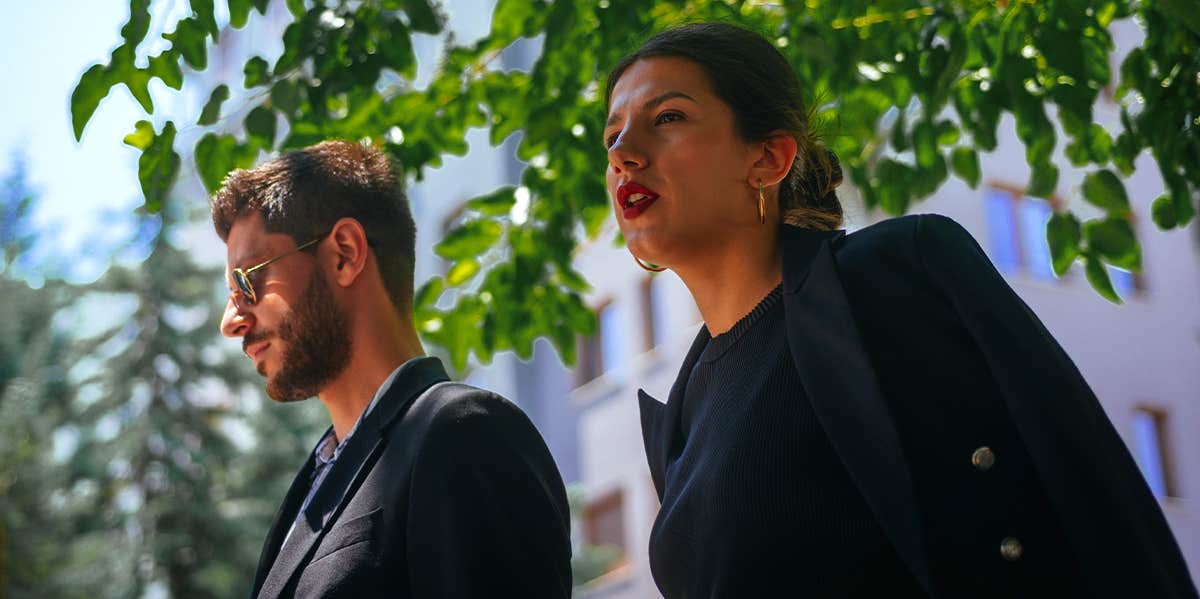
(604, 525)
(1016, 227)
(605, 350)
(654, 312)
(1150, 450)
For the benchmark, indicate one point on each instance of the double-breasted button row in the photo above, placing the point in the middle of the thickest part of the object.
(983, 459)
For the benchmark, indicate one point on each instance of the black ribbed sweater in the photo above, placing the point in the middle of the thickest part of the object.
(758, 504)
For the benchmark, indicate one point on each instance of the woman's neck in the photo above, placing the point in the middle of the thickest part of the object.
(726, 285)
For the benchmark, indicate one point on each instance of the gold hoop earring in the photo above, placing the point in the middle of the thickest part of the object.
(762, 204)
(650, 266)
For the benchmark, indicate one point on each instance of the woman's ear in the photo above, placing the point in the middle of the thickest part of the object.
(349, 242)
(774, 159)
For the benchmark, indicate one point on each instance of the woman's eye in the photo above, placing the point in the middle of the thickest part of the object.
(668, 117)
(610, 140)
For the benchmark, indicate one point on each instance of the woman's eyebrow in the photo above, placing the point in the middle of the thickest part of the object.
(652, 102)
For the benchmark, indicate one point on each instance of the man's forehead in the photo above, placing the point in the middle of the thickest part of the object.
(248, 239)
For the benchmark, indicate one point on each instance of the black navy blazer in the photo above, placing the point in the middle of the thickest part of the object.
(1111, 520)
(444, 490)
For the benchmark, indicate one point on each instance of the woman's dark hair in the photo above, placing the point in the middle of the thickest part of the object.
(759, 85)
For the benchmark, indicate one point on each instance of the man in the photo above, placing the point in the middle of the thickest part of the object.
(421, 488)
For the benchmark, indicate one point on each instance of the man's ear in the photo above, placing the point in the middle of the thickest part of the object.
(773, 159)
(348, 241)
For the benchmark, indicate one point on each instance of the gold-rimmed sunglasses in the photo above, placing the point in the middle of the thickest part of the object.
(241, 276)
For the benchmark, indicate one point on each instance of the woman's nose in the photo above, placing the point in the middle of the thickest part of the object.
(625, 155)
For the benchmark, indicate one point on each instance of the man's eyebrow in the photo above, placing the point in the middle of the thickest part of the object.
(652, 102)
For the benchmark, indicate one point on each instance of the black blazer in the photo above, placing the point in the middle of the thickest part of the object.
(444, 490)
(906, 273)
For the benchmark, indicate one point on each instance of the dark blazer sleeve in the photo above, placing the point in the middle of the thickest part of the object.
(488, 513)
(1105, 506)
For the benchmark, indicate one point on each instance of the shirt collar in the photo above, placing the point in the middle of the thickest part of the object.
(328, 450)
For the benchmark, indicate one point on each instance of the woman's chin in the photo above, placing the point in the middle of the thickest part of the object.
(648, 249)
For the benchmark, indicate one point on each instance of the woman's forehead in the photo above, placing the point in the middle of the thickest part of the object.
(649, 78)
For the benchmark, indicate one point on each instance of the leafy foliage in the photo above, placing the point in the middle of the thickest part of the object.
(908, 93)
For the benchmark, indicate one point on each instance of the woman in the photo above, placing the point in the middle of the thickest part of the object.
(874, 413)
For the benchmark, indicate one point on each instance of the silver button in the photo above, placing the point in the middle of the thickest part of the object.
(983, 459)
(1011, 549)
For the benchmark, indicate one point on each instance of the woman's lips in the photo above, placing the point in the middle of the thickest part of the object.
(632, 211)
(634, 199)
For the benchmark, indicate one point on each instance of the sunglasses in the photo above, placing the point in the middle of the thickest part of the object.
(241, 276)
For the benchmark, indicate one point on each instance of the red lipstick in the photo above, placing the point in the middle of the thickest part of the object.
(633, 199)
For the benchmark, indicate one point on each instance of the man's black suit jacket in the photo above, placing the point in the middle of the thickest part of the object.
(893, 313)
(443, 491)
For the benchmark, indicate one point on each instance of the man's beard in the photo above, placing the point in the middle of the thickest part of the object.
(316, 344)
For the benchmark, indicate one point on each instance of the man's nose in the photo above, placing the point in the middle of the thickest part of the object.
(236, 321)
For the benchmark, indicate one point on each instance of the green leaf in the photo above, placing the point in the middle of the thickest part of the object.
(497, 203)
(135, 29)
(217, 155)
(296, 7)
(1099, 144)
(925, 144)
(285, 96)
(1043, 181)
(257, 72)
(900, 134)
(1181, 195)
(422, 16)
(142, 136)
(469, 240)
(1103, 189)
(261, 6)
(462, 271)
(206, 16)
(189, 39)
(947, 133)
(138, 84)
(1163, 212)
(212, 108)
(165, 66)
(260, 127)
(93, 86)
(1114, 240)
(1125, 151)
(428, 294)
(1063, 234)
(397, 51)
(1182, 11)
(965, 163)
(157, 168)
(1097, 275)
(239, 13)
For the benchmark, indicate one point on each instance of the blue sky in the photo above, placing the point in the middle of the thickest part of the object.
(84, 187)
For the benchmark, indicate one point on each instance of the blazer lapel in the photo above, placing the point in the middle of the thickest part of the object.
(283, 521)
(841, 384)
(662, 430)
(356, 459)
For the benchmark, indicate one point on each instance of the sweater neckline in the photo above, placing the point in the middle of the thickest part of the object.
(717, 346)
